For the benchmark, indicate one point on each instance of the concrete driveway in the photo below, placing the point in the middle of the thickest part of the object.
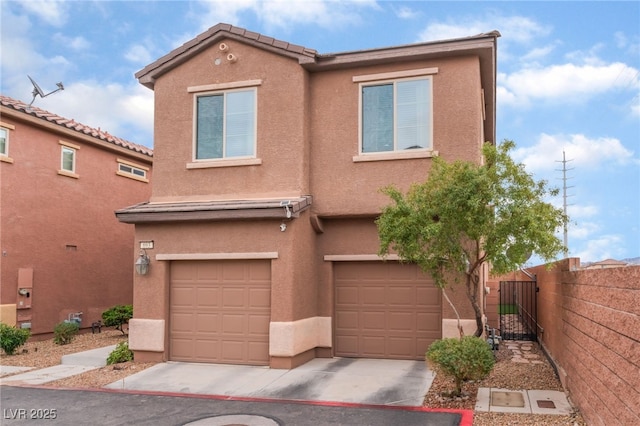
(345, 380)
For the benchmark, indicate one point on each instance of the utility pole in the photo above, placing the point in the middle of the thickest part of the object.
(564, 171)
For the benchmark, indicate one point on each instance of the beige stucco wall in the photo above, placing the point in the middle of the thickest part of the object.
(457, 125)
(282, 143)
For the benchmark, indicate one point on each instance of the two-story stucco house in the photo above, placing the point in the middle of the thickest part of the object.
(63, 254)
(268, 161)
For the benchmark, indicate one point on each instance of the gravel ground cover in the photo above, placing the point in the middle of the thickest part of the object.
(506, 374)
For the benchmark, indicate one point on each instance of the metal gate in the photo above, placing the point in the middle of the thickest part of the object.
(518, 310)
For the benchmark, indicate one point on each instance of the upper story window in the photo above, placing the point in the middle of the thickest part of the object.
(132, 170)
(68, 154)
(4, 142)
(226, 125)
(396, 115)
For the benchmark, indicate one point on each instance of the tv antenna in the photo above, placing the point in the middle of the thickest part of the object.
(37, 91)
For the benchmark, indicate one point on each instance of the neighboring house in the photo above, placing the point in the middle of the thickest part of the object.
(603, 264)
(63, 252)
(269, 160)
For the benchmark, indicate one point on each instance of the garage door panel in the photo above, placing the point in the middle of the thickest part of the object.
(373, 321)
(401, 321)
(384, 310)
(207, 296)
(401, 296)
(374, 296)
(259, 298)
(207, 323)
(182, 297)
(220, 311)
(403, 348)
(258, 325)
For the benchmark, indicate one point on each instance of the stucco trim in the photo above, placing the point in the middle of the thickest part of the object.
(224, 86)
(217, 256)
(224, 163)
(358, 257)
(396, 155)
(396, 74)
(146, 335)
(291, 338)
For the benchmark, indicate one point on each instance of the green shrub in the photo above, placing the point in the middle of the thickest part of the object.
(121, 353)
(117, 316)
(468, 358)
(65, 332)
(11, 338)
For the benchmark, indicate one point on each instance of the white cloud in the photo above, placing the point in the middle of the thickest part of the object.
(576, 211)
(601, 248)
(538, 53)
(53, 12)
(138, 54)
(581, 150)
(406, 12)
(113, 108)
(564, 83)
(582, 230)
(285, 13)
(517, 29)
(74, 43)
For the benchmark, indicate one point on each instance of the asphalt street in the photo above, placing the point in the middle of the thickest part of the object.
(31, 405)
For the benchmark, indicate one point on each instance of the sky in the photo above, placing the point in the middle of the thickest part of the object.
(568, 78)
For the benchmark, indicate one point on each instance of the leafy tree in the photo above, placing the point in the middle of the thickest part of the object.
(466, 214)
(117, 316)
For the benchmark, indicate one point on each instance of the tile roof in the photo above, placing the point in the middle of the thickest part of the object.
(73, 125)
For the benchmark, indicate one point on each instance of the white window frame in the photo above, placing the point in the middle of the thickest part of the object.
(224, 89)
(132, 170)
(4, 155)
(394, 78)
(73, 149)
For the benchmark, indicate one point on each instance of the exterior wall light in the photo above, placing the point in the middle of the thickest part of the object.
(142, 263)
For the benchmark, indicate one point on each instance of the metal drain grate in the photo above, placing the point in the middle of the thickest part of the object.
(507, 399)
(546, 404)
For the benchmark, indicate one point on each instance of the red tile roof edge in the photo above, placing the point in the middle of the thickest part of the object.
(73, 125)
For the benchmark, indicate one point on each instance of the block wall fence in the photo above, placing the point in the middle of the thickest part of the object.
(589, 326)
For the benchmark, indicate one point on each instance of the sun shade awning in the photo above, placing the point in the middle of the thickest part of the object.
(281, 208)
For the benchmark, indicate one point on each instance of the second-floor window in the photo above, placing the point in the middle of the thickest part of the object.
(4, 141)
(396, 115)
(226, 125)
(68, 159)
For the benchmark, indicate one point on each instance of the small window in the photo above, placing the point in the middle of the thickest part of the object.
(226, 125)
(396, 115)
(131, 170)
(68, 159)
(4, 142)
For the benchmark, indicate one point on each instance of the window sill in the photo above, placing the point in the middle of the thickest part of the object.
(134, 177)
(68, 174)
(6, 159)
(400, 155)
(225, 163)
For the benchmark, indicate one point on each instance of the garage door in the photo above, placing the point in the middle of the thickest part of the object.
(220, 311)
(385, 310)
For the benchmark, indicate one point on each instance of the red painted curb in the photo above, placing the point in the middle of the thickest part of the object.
(466, 416)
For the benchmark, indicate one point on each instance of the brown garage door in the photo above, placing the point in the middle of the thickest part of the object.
(220, 311)
(385, 310)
